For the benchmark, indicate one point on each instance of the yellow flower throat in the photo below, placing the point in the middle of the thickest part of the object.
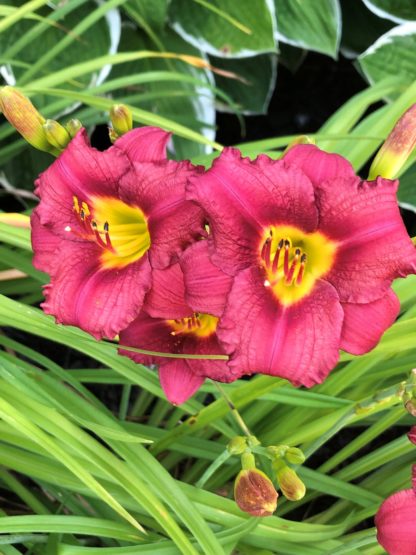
(121, 230)
(294, 260)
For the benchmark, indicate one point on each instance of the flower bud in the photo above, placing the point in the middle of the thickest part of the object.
(397, 148)
(56, 134)
(277, 451)
(24, 117)
(254, 493)
(73, 126)
(237, 445)
(121, 118)
(294, 455)
(289, 482)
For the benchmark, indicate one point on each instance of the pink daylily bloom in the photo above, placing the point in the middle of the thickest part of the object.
(312, 250)
(104, 220)
(168, 324)
(396, 524)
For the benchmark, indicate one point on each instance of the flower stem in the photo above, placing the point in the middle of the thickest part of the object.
(236, 415)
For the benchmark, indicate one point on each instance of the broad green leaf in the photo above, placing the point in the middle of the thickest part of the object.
(407, 189)
(311, 24)
(256, 83)
(396, 10)
(392, 54)
(360, 28)
(153, 13)
(187, 104)
(225, 28)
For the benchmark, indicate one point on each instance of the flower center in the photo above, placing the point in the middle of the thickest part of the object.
(201, 325)
(294, 260)
(119, 229)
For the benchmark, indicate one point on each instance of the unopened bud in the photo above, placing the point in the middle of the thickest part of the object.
(255, 493)
(289, 482)
(112, 134)
(277, 451)
(294, 455)
(56, 134)
(121, 118)
(237, 445)
(73, 126)
(397, 148)
(24, 117)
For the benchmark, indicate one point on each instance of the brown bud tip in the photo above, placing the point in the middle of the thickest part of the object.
(289, 482)
(24, 117)
(397, 148)
(254, 493)
(121, 118)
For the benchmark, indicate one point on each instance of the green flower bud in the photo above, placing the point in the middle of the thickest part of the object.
(56, 134)
(289, 482)
(294, 455)
(254, 493)
(237, 445)
(397, 148)
(73, 126)
(277, 451)
(24, 117)
(121, 118)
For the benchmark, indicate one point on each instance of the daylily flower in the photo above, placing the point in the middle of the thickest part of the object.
(168, 324)
(105, 219)
(313, 251)
(396, 524)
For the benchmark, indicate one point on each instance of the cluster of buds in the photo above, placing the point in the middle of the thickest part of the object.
(254, 491)
(49, 135)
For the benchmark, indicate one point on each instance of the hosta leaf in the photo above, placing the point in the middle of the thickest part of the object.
(225, 27)
(396, 10)
(311, 24)
(392, 54)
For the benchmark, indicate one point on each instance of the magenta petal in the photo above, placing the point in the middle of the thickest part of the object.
(45, 245)
(178, 381)
(144, 144)
(242, 198)
(174, 223)
(299, 342)
(149, 334)
(101, 302)
(166, 299)
(80, 171)
(207, 286)
(412, 434)
(217, 370)
(374, 247)
(364, 324)
(318, 165)
(396, 523)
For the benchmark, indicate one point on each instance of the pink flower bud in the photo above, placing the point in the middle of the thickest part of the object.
(397, 148)
(254, 493)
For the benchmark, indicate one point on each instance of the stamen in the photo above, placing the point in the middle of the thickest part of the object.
(286, 260)
(301, 269)
(277, 255)
(97, 234)
(107, 236)
(265, 251)
(289, 276)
